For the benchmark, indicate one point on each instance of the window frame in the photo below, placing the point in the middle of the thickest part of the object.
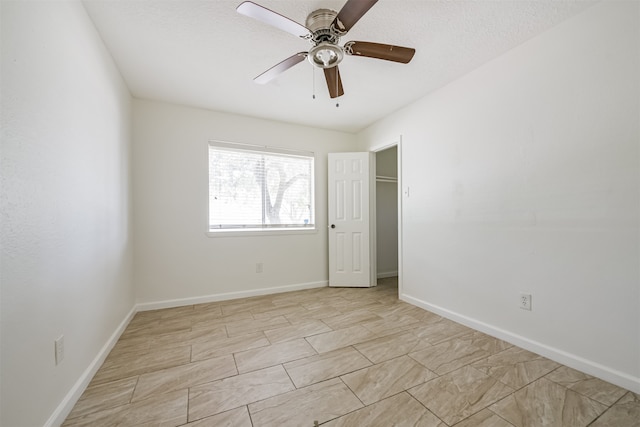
(269, 230)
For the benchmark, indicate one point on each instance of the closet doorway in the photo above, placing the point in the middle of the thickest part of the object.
(387, 215)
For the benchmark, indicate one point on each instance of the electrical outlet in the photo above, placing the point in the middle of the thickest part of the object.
(59, 349)
(258, 267)
(525, 301)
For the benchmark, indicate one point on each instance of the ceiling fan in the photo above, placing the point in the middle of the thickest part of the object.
(323, 28)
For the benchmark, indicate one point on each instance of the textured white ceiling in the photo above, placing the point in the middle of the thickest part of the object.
(204, 54)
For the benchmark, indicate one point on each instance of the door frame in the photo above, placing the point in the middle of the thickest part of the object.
(375, 149)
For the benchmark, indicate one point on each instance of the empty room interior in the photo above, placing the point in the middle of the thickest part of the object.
(206, 221)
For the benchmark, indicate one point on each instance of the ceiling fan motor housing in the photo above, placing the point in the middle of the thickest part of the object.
(326, 52)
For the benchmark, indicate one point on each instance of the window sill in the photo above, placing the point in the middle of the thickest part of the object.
(266, 232)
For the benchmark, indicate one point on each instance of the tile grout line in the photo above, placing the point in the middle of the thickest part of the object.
(250, 417)
(498, 415)
(188, 402)
(424, 406)
(609, 407)
(290, 379)
(364, 405)
(362, 354)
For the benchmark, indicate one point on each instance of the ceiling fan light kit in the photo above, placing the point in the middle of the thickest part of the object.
(323, 29)
(326, 55)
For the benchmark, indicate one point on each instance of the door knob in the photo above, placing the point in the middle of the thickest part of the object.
(333, 226)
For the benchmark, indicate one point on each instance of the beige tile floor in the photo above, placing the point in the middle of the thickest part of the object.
(341, 357)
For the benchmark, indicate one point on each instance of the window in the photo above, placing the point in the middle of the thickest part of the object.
(259, 188)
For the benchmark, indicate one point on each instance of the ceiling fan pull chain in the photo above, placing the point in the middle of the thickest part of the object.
(313, 76)
(337, 86)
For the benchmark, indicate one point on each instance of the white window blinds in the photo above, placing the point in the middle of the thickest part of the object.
(253, 187)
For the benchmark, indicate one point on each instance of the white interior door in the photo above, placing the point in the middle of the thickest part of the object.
(350, 250)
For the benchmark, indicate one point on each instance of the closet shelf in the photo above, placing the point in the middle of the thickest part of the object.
(382, 178)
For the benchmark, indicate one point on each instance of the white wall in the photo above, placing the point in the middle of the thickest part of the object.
(176, 262)
(524, 177)
(66, 244)
(387, 213)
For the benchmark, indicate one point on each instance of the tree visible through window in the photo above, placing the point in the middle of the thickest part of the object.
(259, 188)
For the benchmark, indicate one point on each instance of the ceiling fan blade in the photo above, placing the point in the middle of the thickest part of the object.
(272, 18)
(351, 13)
(280, 68)
(334, 82)
(380, 51)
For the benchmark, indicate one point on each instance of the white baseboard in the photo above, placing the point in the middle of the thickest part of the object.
(145, 306)
(605, 373)
(69, 401)
(385, 274)
(64, 408)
